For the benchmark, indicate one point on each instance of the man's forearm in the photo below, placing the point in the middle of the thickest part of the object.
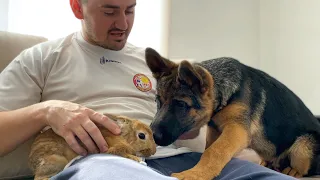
(18, 126)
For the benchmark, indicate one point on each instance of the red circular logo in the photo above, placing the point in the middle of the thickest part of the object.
(142, 82)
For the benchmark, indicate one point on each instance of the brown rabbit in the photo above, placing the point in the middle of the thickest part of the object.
(50, 153)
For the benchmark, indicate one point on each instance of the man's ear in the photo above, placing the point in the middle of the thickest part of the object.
(158, 65)
(188, 75)
(76, 8)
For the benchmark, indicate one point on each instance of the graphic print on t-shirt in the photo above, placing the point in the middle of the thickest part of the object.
(104, 60)
(142, 82)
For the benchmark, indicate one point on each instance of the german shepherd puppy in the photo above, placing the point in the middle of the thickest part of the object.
(247, 107)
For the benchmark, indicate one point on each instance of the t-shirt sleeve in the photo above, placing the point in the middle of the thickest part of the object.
(22, 81)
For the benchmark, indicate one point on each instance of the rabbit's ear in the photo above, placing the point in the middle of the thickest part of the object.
(114, 117)
(122, 121)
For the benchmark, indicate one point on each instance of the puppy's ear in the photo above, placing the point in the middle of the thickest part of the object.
(189, 76)
(158, 65)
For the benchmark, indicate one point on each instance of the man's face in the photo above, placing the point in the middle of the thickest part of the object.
(108, 23)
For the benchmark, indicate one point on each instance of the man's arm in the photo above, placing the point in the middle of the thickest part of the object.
(21, 85)
(67, 119)
(23, 114)
(18, 126)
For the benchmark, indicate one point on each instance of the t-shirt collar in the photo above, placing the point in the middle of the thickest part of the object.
(94, 48)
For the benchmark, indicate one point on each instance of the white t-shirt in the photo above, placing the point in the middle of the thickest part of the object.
(71, 69)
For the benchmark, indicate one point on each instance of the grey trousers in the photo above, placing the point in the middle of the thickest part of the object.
(110, 167)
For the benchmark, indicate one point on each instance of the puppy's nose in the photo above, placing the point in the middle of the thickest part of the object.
(157, 136)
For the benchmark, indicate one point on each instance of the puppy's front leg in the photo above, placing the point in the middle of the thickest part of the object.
(233, 139)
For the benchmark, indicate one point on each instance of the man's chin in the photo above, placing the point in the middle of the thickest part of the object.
(115, 46)
(189, 135)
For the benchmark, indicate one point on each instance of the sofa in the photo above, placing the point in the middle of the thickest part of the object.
(11, 44)
(14, 165)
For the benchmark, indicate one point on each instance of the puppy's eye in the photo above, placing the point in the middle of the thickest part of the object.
(157, 98)
(142, 136)
(181, 104)
(158, 101)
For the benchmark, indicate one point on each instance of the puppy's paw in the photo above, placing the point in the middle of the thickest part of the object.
(191, 175)
(263, 163)
(292, 172)
(266, 164)
(186, 176)
(41, 178)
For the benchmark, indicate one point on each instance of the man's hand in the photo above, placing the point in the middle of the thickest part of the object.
(69, 120)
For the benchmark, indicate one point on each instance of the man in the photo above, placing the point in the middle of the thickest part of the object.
(67, 85)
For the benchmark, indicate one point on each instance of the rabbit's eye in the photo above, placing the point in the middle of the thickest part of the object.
(142, 136)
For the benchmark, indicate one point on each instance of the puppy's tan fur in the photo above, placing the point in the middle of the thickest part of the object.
(243, 108)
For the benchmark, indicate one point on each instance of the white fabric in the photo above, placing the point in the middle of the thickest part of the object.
(73, 70)
(142, 161)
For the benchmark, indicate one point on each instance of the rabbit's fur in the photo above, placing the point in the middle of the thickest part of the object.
(50, 153)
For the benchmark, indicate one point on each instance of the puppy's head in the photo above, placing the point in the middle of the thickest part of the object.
(137, 134)
(184, 98)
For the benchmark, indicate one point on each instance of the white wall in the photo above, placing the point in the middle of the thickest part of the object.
(4, 5)
(211, 28)
(35, 18)
(150, 27)
(279, 37)
(42, 18)
(290, 46)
